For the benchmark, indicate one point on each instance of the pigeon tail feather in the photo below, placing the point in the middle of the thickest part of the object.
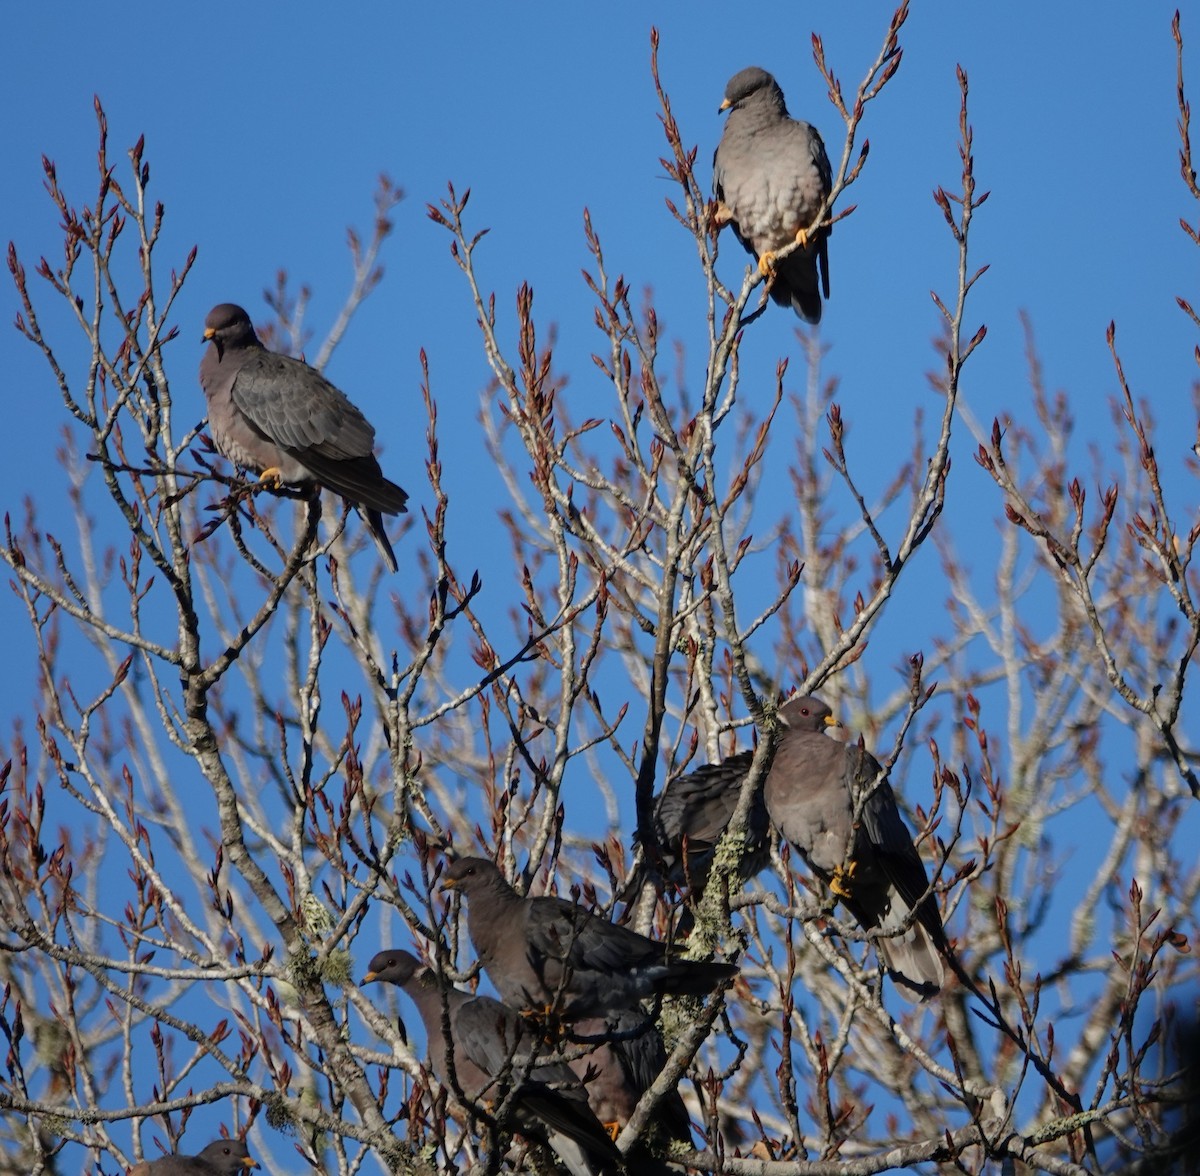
(696, 977)
(914, 963)
(374, 521)
(795, 285)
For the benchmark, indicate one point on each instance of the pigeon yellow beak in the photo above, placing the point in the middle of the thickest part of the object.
(209, 333)
(449, 883)
(368, 978)
(830, 721)
(725, 105)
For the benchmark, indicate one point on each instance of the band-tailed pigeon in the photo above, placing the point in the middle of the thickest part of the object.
(550, 954)
(281, 418)
(690, 815)
(770, 177)
(618, 1058)
(222, 1157)
(873, 868)
(490, 1049)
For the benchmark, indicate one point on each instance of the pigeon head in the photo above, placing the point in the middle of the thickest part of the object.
(471, 875)
(227, 1156)
(752, 83)
(392, 967)
(228, 325)
(806, 713)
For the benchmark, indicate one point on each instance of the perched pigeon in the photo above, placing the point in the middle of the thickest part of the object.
(690, 815)
(550, 954)
(490, 1049)
(874, 869)
(224, 1157)
(281, 418)
(618, 1058)
(770, 177)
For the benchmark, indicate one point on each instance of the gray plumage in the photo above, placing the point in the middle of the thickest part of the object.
(622, 1056)
(222, 1157)
(490, 1049)
(550, 954)
(690, 815)
(770, 177)
(282, 419)
(874, 869)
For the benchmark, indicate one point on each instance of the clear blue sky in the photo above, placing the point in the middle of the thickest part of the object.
(266, 130)
(266, 127)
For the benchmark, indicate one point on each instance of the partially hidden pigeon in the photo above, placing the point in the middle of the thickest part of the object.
(770, 177)
(279, 417)
(546, 954)
(222, 1157)
(618, 1058)
(873, 867)
(690, 815)
(490, 1050)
